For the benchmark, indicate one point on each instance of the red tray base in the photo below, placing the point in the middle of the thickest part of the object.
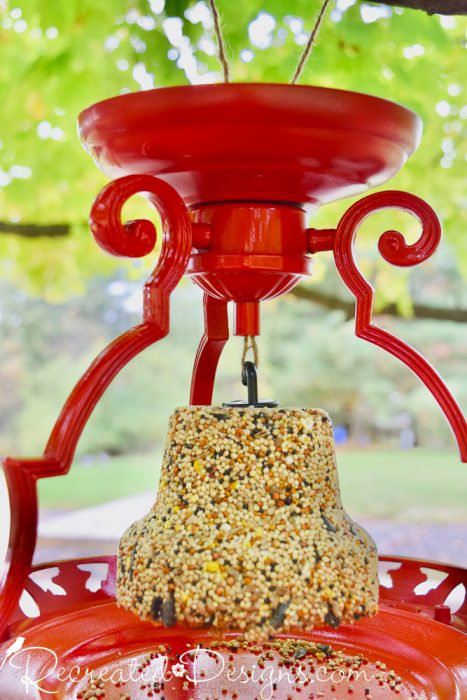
(81, 630)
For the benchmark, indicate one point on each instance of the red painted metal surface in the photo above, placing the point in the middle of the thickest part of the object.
(263, 153)
(428, 655)
(393, 248)
(216, 334)
(257, 142)
(256, 252)
(22, 474)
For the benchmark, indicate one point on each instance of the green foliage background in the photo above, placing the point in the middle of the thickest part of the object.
(309, 357)
(60, 57)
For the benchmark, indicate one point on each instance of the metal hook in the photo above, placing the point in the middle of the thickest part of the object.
(250, 380)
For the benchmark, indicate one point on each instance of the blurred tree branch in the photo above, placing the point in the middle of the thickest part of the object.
(35, 230)
(314, 295)
(431, 7)
(420, 311)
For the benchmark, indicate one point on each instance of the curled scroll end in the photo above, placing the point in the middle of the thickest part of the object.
(140, 239)
(393, 248)
(133, 239)
(396, 251)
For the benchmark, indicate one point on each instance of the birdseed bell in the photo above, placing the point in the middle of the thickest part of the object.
(248, 531)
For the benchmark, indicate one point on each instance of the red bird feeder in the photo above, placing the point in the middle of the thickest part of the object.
(233, 171)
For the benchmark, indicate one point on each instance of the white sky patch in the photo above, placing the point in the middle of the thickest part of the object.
(51, 33)
(111, 43)
(454, 90)
(295, 24)
(44, 130)
(142, 76)
(372, 13)
(5, 178)
(343, 5)
(282, 34)
(208, 78)
(246, 55)
(200, 13)
(16, 13)
(18, 172)
(122, 64)
(21, 172)
(146, 22)
(207, 46)
(157, 6)
(447, 21)
(301, 38)
(260, 30)
(443, 108)
(132, 16)
(413, 51)
(138, 44)
(20, 26)
(173, 28)
(447, 145)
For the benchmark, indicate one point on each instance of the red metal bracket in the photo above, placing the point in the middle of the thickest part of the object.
(216, 334)
(134, 239)
(394, 249)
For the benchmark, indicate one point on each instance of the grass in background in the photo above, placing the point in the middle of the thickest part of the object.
(100, 481)
(406, 485)
(412, 485)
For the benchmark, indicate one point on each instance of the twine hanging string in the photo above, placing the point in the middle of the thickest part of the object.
(249, 343)
(220, 41)
(303, 59)
(310, 43)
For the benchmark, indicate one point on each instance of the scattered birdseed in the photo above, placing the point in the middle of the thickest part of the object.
(248, 531)
(301, 659)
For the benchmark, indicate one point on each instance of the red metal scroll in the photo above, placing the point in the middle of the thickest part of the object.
(136, 238)
(394, 249)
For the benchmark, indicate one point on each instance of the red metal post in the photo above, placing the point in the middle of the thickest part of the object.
(137, 237)
(394, 249)
(212, 343)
